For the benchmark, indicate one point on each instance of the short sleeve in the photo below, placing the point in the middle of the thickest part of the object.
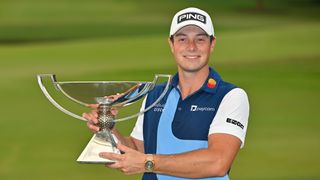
(232, 115)
(137, 131)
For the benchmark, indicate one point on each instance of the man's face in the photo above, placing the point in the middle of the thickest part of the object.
(191, 48)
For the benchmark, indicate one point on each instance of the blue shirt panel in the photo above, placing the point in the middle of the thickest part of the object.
(194, 114)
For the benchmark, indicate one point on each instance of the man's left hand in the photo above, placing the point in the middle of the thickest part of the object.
(130, 162)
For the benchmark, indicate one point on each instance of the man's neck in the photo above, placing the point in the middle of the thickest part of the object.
(190, 82)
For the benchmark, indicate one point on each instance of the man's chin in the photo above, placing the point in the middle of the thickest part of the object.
(192, 69)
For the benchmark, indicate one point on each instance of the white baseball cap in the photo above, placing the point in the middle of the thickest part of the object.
(192, 16)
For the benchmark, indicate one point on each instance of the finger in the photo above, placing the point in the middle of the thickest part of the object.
(92, 127)
(123, 148)
(94, 113)
(93, 118)
(114, 111)
(86, 116)
(89, 117)
(115, 165)
(111, 156)
(112, 97)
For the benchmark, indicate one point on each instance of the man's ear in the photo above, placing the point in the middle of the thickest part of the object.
(171, 44)
(213, 44)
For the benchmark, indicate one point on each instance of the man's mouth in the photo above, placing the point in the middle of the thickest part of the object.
(191, 56)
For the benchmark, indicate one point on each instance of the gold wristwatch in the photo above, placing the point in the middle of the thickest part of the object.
(149, 163)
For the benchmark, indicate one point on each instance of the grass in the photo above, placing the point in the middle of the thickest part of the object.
(273, 55)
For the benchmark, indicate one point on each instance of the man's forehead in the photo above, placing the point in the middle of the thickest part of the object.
(191, 29)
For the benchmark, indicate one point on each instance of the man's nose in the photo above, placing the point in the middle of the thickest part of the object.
(192, 45)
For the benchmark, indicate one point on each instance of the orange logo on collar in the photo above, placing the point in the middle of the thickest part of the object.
(211, 83)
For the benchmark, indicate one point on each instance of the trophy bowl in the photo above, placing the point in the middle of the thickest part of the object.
(107, 95)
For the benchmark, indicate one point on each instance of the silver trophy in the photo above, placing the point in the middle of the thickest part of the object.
(108, 96)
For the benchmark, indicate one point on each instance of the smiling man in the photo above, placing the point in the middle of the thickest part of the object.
(197, 130)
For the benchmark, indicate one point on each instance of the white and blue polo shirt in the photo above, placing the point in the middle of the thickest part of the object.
(176, 126)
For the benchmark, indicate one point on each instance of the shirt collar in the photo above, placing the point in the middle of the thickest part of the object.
(210, 85)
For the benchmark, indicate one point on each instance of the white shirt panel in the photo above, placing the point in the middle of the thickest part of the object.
(137, 131)
(235, 107)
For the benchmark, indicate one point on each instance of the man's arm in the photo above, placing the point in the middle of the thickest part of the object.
(129, 141)
(215, 160)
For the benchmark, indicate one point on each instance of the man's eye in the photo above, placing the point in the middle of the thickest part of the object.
(182, 40)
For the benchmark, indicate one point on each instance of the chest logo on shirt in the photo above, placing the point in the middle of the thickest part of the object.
(158, 107)
(195, 108)
(211, 83)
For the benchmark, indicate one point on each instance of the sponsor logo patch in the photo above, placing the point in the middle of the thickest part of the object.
(158, 107)
(192, 16)
(211, 83)
(237, 123)
(195, 108)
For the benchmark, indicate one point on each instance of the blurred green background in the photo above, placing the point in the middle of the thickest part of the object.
(270, 48)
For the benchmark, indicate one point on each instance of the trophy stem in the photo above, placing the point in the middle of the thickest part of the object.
(106, 123)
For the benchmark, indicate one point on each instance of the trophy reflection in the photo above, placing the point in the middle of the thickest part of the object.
(109, 96)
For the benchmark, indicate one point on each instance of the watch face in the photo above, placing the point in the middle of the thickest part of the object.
(149, 165)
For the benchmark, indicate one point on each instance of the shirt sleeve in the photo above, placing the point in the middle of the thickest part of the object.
(137, 131)
(232, 115)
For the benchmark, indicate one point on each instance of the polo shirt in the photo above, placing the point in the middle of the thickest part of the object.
(176, 126)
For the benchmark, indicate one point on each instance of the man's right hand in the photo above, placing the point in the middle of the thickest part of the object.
(92, 118)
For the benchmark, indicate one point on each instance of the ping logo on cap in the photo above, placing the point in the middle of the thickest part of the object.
(192, 16)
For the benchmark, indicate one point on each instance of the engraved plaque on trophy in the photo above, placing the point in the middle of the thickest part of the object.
(108, 95)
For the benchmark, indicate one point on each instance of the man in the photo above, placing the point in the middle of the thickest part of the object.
(202, 121)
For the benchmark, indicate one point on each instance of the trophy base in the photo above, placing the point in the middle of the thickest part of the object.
(90, 154)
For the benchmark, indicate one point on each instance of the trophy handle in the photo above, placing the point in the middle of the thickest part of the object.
(153, 84)
(45, 92)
